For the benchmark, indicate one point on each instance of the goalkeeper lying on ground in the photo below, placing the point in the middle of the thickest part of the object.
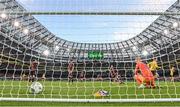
(145, 75)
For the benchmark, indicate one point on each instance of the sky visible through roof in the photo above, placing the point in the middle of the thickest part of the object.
(96, 29)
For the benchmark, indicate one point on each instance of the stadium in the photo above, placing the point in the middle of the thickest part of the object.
(89, 53)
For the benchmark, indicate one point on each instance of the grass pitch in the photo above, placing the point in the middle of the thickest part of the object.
(85, 90)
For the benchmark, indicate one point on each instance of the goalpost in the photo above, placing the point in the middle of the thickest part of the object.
(28, 33)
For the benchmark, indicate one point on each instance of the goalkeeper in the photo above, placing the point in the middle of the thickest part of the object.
(153, 67)
(144, 76)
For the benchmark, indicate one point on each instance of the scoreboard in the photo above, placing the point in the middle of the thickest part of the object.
(95, 55)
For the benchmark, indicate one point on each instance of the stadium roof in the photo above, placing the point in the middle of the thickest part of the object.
(29, 32)
(95, 28)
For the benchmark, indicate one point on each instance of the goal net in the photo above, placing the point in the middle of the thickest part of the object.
(89, 50)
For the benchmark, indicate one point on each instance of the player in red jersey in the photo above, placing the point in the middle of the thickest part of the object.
(70, 71)
(82, 76)
(113, 73)
(33, 72)
(144, 76)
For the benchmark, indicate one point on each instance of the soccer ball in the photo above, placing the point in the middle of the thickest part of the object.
(36, 88)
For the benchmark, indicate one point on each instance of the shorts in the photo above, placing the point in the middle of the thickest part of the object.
(33, 73)
(81, 77)
(70, 75)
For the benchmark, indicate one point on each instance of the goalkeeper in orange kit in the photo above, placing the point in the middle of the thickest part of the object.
(144, 78)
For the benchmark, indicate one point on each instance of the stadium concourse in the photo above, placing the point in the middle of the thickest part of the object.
(23, 40)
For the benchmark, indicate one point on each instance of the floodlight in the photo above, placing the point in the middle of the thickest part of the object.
(145, 53)
(175, 24)
(166, 31)
(16, 24)
(26, 31)
(3, 15)
(46, 52)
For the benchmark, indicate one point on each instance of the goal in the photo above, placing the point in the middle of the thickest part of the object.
(86, 51)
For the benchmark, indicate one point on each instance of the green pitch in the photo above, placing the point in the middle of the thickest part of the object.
(85, 90)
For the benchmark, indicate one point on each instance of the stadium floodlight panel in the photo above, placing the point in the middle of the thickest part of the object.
(134, 48)
(145, 53)
(56, 47)
(46, 52)
(3, 15)
(26, 31)
(67, 49)
(16, 24)
(175, 24)
(166, 31)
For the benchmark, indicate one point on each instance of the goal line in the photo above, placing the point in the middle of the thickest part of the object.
(91, 100)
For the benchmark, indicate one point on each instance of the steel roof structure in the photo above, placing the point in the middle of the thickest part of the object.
(23, 34)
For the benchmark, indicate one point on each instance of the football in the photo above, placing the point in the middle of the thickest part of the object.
(36, 88)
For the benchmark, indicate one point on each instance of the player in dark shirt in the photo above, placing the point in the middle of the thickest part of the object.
(82, 76)
(33, 71)
(70, 71)
(118, 79)
(112, 73)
